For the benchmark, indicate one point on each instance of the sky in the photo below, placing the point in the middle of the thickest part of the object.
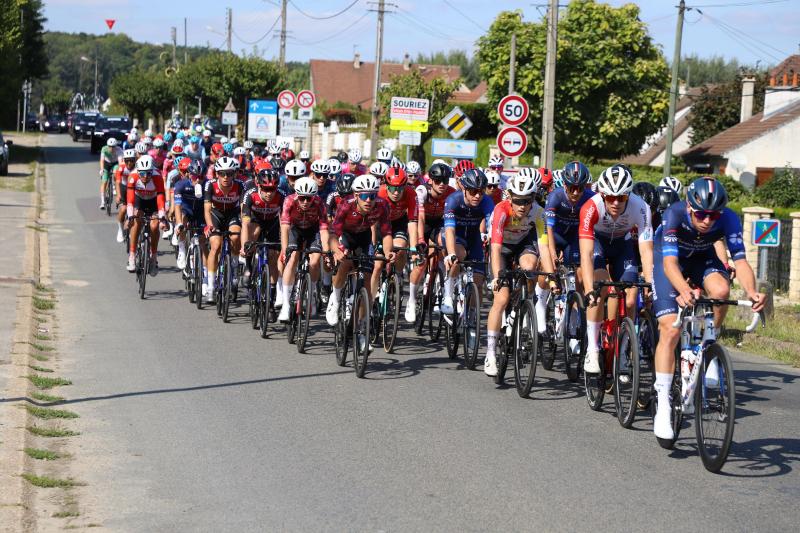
(751, 31)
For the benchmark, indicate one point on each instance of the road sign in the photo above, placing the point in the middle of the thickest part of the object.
(410, 138)
(767, 232)
(513, 110)
(512, 141)
(262, 119)
(285, 113)
(451, 148)
(229, 107)
(229, 118)
(286, 99)
(306, 99)
(456, 123)
(400, 124)
(110, 23)
(305, 114)
(409, 108)
(294, 128)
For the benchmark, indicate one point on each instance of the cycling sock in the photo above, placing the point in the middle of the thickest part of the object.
(337, 293)
(592, 331)
(212, 278)
(541, 308)
(181, 246)
(448, 287)
(272, 293)
(412, 291)
(663, 386)
(491, 341)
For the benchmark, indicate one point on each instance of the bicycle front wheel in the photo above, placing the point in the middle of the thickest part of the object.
(361, 315)
(343, 329)
(526, 349)
(548, 345)
(253, 303)
(227, 295)
(197, 272)
(391, 316)
(647, 352)
(471, 325)
(264, 299)
(574, 335)
(109, 196)
(144, 265)
(303, 312)
(435, 317)
(715, 407)
(626, 374)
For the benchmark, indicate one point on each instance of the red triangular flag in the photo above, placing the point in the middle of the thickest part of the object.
(110, 23)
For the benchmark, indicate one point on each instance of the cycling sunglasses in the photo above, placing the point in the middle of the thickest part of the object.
(395, 188)
(491, 186)
(702, 215)
(367, 196)
(616, 198)
(522, 201)
(304, 198)
(271, 189)
(225, 173)
(474, 192)
(574, 188)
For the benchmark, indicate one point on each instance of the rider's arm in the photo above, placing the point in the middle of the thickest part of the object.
(413, 215)
(646, 253)
(160, 202)
(131, 196)
(324, 235)
(588, 217)
(733, 238)
(207, 204)
(747, 279)
(645, 225)
(722, 251)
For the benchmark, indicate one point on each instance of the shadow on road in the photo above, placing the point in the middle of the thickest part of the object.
(77, 153)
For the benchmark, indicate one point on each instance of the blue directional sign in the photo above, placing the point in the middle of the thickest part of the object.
(262, 119)
(767, 232)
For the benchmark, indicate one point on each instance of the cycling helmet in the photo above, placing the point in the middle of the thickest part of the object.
(268, 177)
(183, 164)
(396, 177)
(147, 140)
(248, 145)
(130, 153)
(145, 164)
(261, 165)
(223, 139)
(277, 163)
(283, 144)
(239, 150)
(273, 148)
(287, 154)
(496, 162)
(133, 137)
(112, 142)
(440, 172)
(320, 166)
(334, 167)
(228, 147)
(525, 183)
(547, 176)
(195, 167)
(234, 141)
(225, 163)
(354, 155)
(217, 149)
(148, 132)
(673, 183)
(647, 192)
(666, 197)
(378, 169)
(439, 162)
(178, 142)
(304, 155)
(396, 163)
(194, 139)
(158, 142)
(385, 155)
(341, 157)
(365, 183)
(614, 181)
(492, 177)
(413, 168)
(305, 187)
(474, 178)
(707, 194)
(206, 133)
(177, 149)
(558, 178)
(344, 184)
(462, 166)
(576, 173)
(168, 137)
(295, 168)
(141, 148)
(180, 135)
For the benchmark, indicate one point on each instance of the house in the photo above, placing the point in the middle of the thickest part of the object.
(752, 150)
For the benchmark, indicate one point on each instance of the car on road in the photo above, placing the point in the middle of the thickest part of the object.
(108, 127)
(83, 124)
(4, 155)
(55, 123)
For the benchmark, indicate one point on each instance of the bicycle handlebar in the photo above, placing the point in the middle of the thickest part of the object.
(530, 274)
(621, 284)
(757, 317)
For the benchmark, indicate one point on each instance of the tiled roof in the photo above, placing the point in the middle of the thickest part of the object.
(788, 66)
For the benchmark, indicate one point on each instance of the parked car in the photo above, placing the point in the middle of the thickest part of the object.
(4, 155)
(83, 124)
(107, 127)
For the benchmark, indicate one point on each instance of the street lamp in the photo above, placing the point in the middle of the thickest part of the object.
(86, 59)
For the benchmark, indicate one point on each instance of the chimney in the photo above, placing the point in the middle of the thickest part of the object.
(748, 90)
(406, 62)
(357, 60)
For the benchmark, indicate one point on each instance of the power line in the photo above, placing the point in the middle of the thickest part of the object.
(260, 38)
(742, 4)
(732, 33)
(325, 17)
(747, 35)
(454, 8)
(338, 33)
(412, 21)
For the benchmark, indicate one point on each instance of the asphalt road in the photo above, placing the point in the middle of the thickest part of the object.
(191, 424)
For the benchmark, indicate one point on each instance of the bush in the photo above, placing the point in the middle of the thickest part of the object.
(783, 190)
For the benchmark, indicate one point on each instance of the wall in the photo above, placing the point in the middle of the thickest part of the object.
(681, 143)
(776, 98)
(773, 149)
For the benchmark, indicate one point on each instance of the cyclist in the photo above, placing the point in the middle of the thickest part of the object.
(466, 215)
(517, 228)
(344, 190)
(378, 170)
(402, 201)
(496, 164)
(431, 198)
(158, 153)
(558, 179)
(352, 230)
(195, 149)
(188, 203)
(110, 155)
(563, 209)
(334, 170)
(384, 155)
(223, 197)
(320, 172)
(684, 249)
(216, 152)
(305, 157)
(672, 183)
(413, 171)
(607, 249)
(121, 174)
(145, 198)
(493, 185)
(206, 142)
(354, 157)
(547, 185)
(294, 170)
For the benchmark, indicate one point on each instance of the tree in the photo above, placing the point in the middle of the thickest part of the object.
(413, 85)
(697, 71)
(57, 100)
(469, 65)
(611, 79)
(34, 64)
(140, 91)
(719, 107)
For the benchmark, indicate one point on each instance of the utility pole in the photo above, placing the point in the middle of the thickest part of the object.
(185, 41)
(229, 27)
(673, 90)
(373, 126)
(95, 78)
(512, 65)
(283, 33)
(548, 133)
(26, 90)
(174, 36)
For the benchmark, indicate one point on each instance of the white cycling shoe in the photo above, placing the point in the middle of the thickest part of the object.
(662, 423)
(120, 235)
(490, 365)
(131, 263)
(181, 262)
(332, 312)
(447, 305)
(712, 374)
(411, 312)
(592, 363)
(284, 314)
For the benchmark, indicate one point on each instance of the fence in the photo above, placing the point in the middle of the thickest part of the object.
(779, 259)
(783, 262)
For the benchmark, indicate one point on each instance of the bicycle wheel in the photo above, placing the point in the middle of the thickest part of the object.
(220, 285)
(197, 262)
(190, 279)
(626, 374)
(342, 331)
(391, 315)
(676, 404)
(501, 353)
(264, 299)
(471, 325)
(227, 296)
(253, 302)
(421, 310)
(715, 408)
(435, 317)
(361, 330)
(109, 195)
(526, 349)
(291, 326)
(647, 352)
(574, 329)
(144, 268)
(547, 343)
(303, 312)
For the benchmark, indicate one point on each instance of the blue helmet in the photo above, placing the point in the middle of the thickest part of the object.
(707, 194)
(228, 147)
(180, 135)
(168, 137)
(576, 173)
(474, 178)
(194, 139)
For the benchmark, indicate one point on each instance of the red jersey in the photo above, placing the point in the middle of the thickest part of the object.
(405, 206)
(221, 200)
(122, 173)
(312, 216)
(153, 189)
(348, 218)
(254, 206)
(433, 208)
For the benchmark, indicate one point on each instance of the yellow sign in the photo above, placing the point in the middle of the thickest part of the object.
(400, 124)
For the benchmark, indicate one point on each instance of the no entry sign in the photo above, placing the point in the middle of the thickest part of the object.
(512, 142)
(286, 99)
(513, 110)
(306, 99)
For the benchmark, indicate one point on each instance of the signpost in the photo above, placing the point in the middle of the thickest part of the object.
(400, 124)
(409, 108)
(305, 114)
(294, 128)
(306, 99)
(512, 141)
(261, 119)
(456, 122)
(455, 149)
(285, 113)
(766, 234)
(232, 117)
(513, 110)
(286, 99)
(410, 138)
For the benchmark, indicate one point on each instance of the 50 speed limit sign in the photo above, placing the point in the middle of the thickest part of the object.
(513, 110)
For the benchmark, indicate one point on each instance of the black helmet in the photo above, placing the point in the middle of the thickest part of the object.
(474, 178)
(707, 194)
(666, 197)
(440, 172)
(277, 163)
(344, 183)
(647, 192)
(268, 177)
(342, 157)
(576, 173)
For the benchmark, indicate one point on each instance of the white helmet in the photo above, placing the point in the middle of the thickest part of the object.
(304, 155)
(234, 141)
(206, 133)
(615, 180)
(145, 164)
(130, 153)
(135, 130)
(147, 140)
(384, 154)
(158, 142)
(295, 168)
(334, 166)
(558, 178)
(305, 187)
(354, 155)
(413, 168)
(273, 148)
(248, 145)
(133, 137)
(439, 162)
(239, 150)
(366, 183)
(283, 144)
(226, 163)
(492, 177)
(378, 169)
(178, 142)
(112, 142)
(141, 148)
(672, 183)
(320, 166)
(495, 161)
(525, 183)
(148, 132)
(223, 140)
(396, 163)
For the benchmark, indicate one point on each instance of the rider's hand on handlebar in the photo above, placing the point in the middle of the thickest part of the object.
(591, 299)
(759, 300)
(687, 296)
(449, 261)
(339, 253)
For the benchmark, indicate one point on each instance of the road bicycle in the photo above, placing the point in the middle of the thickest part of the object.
(703, 382)
(300, 302)
(260, 297)
(566, 325)
(224, 290)
(143, 255)
(388, 304)
(465, 320)
(193, 272)
(427, 306)
(647, 332)
(108, 195)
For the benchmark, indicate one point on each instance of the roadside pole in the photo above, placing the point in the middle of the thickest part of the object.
(673, 90)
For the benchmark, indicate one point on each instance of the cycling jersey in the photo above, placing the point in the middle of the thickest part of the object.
(259, 209)
(197, 154)
(406, 205)
(326, 190)
(284, 187)
(145, 196)
(121, 175)
(222, 201)
(677, 237)
(508, 230)
(433, 208)
(497, 195)
(464, 219)
(311, 217)
(186, 197)
(349, 219)
(159, 157)
(561, 214)
(596, 221)
(110, 155)
(334, 201)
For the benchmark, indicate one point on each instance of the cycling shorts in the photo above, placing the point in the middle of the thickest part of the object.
(307, 238)
(225, 220)
(143, 207)
(512, 252)
(619, 256)
(568, 244)
(269, 230)
(432, 228)
(696, 268)
(400, 228)
(197, 219)
(474, 247)
(104, 177)
(358, 243)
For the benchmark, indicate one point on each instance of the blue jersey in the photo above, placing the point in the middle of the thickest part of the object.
(325, 191)
(465, 219)
(561, 214)
(284, 188)
(677, 237)
(186, 198)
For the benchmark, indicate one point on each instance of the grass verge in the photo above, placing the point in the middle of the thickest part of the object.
(44, 382)
(47, 482)
(42, 397)
(52, 432)
(50, 414)
(42, 347)
(43, 304)
(42, 455)
(40, 357)
(40, 368)
(779, 340)
(66, 514)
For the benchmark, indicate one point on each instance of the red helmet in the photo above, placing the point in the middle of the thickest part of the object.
(268, 177)
(183, 166)
(547, 176)
(396, 177)
(262, 165)
(287, 154)
(177, 149)
(217, 149)
(462, 166)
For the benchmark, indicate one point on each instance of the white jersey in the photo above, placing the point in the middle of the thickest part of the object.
(595, 220)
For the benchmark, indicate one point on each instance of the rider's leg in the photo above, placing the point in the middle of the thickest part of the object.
(717, 286)
(594, 315)
(215, 244)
